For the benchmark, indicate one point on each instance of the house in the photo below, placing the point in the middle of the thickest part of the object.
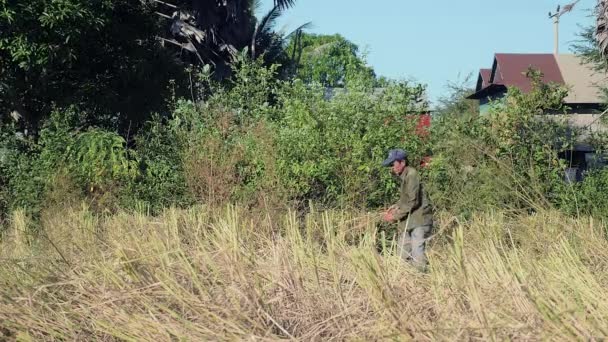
(508, 70)
(585, 100)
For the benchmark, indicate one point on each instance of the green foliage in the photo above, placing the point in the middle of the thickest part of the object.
(330, 151)
(224, 142)
(162, 182)
(96, 161)
(330, 60)
(586, 47)
(455, 102)
(100, 55)
(262, 138)
(250, 92)
(507, 158)
(527, 138)
(29, 166)
(259, 141)
(25, 182)
(587, 197)
(99, 159)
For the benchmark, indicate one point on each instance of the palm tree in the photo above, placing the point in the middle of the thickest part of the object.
(215, 31)
(601, 27)
(271, 43)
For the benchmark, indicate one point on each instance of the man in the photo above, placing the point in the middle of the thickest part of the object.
(413, 211)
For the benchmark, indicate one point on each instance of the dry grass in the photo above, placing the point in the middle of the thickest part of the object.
(205, 274)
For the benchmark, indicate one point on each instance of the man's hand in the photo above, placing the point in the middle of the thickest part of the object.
(388, 215)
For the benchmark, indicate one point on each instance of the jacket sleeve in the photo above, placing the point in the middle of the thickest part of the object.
(409, 198)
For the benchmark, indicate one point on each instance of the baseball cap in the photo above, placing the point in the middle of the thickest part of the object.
(394, 155)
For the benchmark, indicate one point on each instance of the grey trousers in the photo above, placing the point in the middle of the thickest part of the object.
(411, 245)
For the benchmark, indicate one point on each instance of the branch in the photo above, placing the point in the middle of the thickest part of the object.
(163, 15)
(165, 3)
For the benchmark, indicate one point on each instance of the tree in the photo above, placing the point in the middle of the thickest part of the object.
(100, 55)
(601, 27)
(214, 32)
(327, 59)
(586, 47)
(456, 102)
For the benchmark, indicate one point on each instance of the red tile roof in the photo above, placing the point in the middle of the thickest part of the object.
(485, 77)
(511, 69)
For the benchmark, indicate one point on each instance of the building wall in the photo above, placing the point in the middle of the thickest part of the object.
(486, 103)
(586, 123)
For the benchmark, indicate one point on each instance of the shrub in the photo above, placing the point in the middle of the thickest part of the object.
(63, 162)
(507, 158)
(587, 198)
(99, 159)
(261, 140)
(29, 165)
(330, 150)
(161, 182)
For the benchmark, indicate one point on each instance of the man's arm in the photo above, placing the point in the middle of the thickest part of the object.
(409, 198)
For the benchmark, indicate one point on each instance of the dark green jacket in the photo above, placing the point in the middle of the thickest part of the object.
(413, 208)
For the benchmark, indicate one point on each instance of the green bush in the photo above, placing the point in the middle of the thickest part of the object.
(258, 139)
(255, 141)
(161, 182)
(587, 198)
(94, 163)
(100, 160)
(507, 158)
(330, 150)
(29, 165)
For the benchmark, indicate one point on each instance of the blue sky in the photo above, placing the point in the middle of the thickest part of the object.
(434, 42)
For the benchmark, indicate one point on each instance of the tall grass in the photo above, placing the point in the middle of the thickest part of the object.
(228, 274)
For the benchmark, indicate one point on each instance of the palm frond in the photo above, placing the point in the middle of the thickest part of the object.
(265, 23)
(269, 19)
(569, 7)
(255, 5)
(303, 27)
(284, 4)
(601, 28)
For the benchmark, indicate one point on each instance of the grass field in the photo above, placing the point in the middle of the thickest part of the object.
(203, 274)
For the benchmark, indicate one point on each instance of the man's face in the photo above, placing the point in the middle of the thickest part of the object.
(398, 167)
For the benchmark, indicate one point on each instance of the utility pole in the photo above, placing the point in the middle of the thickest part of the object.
(556, 16)
(556, 32)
